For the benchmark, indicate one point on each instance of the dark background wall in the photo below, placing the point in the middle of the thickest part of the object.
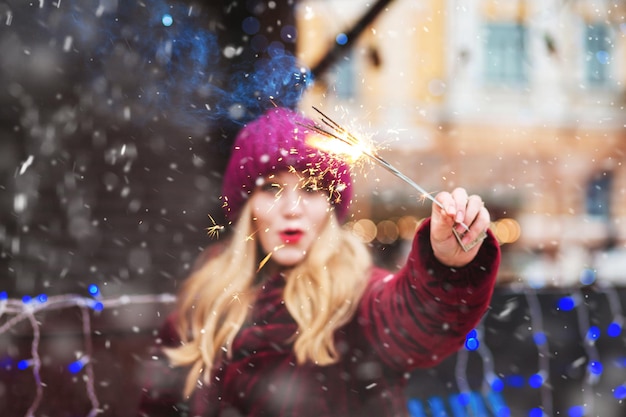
(115, 126)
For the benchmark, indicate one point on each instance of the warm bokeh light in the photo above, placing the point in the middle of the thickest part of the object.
(407, 226)
(507, 230)
(387, 232)
(365, 229)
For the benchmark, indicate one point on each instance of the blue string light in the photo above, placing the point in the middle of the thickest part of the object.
(497, 404)
(540, 380)
(464, 398)
(23, 364)
(540, 338)
(42, 298)
(576, 411)
(596, 367)
(566, 303)
(593, 333)
(535, 412)
(416, 409)
(437, 407)
(4, 296)
(515, 381)
(614, 329)
(93, 290)
(471, 340)
(472, 344)
(620, 392)
(76, 366)
(535, 381)
(496, 384)
(478, 407)
(457, 405)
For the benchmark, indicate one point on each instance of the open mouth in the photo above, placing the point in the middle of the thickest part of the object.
(291, 235)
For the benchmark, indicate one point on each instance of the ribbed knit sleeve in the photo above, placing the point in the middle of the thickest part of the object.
(421, 314)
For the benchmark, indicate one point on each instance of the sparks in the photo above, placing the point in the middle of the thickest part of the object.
(363, 149)
(214, 231)
(267, 257)
(235, 297)
(333, 131)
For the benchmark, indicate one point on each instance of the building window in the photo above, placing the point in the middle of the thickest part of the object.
(599, 195)
(598, 55)
(505, 54)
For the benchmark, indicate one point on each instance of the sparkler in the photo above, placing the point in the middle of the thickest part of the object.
(334, 130)
(214, 231)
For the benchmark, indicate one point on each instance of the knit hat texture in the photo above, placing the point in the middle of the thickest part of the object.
(274, 142)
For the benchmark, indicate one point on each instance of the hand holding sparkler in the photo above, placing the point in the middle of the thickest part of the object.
(357, 149)
(447, 230)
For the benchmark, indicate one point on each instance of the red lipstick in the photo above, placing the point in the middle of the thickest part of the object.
(291, 235)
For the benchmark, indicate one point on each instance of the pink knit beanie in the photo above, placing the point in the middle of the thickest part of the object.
(274, 142)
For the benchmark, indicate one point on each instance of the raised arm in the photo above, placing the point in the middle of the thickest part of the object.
(420, 315)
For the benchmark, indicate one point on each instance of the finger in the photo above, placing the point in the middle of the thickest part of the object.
(480, 225)
(474, 205)
(448, 205)
(460, 199)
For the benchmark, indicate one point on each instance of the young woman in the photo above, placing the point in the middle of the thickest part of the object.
(291, 318)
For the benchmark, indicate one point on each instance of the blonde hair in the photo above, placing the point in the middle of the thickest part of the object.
(321, 294)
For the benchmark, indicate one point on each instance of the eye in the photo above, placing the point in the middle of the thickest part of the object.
(270, 187)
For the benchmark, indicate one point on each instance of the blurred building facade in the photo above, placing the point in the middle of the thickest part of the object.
(520, 101)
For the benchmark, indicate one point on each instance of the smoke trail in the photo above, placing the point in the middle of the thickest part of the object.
(138, 62)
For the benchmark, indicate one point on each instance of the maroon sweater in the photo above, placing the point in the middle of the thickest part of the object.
(411, 319)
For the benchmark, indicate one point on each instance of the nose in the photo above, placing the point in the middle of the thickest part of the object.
(291, 202)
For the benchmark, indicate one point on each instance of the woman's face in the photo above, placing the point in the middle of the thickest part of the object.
(289, 215)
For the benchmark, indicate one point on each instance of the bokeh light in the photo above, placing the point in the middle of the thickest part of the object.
(596, 367)
(387, 232)
(497, 384)
(23, 364)
(515, 380)
(407, 225)
(507, 230)
(365, 229)
(593, 333)
(341, 39)
(576, 411)
(614, 329)
(540, 338)
(566, 303)
(93, 289)
(535, 381)
(76, 366)
(167, 20)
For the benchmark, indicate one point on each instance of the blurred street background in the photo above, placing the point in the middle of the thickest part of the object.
(117, 117)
